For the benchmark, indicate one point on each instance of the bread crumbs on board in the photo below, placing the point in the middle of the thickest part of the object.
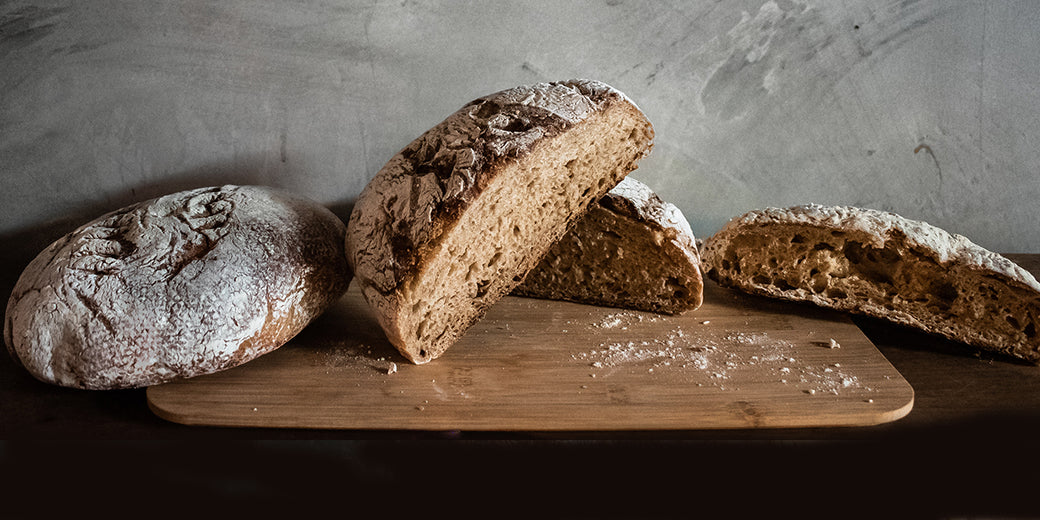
(716, 359)
(622, 320)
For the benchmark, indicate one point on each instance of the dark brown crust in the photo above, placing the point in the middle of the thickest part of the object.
(448, 166)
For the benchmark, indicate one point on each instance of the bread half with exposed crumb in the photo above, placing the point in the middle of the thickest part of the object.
(455, 220)
(632, 250)
(882, 265)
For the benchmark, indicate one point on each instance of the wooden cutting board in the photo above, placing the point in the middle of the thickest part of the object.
(531, 365)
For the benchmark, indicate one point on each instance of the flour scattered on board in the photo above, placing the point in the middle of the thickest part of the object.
(716, 359)
(623, 320)
(353, 355)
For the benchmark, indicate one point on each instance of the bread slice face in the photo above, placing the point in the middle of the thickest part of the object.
(632, 250)
(882, 265)
(183, 285)
(455, 220)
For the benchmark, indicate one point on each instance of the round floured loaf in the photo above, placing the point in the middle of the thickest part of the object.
(631, 250)
(186, 284)
(455, 220)
(882, 265)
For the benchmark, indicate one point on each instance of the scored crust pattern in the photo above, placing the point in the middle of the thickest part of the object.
(191, 229)
(431, 181)
(186, 284)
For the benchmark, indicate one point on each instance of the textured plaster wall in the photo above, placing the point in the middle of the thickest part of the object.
(926, 108)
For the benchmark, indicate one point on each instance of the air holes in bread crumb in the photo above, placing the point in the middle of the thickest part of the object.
(837, 294)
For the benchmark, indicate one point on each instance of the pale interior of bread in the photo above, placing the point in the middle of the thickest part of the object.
(616, 261)
(525, 208)
(897, 282)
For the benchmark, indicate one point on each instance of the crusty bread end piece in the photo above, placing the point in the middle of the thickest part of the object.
(882, 265)
(632, 250)
(456, 220)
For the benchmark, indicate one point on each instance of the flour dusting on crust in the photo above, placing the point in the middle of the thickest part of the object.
(183, 285)
(945, 246)
(883, 265)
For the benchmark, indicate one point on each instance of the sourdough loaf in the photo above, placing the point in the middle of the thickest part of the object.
(882, 265)
(456, 219)
(631, 250)
(182, 285)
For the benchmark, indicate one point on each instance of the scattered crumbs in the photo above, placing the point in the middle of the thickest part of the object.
(830, 380)
(868, 400)
(705, 322)
(352, 355)
(715, 359)
(832, 343)
(623, 319)
(420, 408)
(711, 356)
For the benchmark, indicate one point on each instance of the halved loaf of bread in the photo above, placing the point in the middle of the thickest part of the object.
(883, 265)
(456, 220)
(631, 250)
(187, 284)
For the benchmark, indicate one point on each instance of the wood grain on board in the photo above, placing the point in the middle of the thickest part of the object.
(534, 365)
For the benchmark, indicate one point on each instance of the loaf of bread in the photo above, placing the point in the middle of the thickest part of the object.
(456, 219)
(186, 284)
(631, 250)
(882, 265)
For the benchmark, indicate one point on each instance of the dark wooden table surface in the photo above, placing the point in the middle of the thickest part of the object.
(972, 432)
(959, 391)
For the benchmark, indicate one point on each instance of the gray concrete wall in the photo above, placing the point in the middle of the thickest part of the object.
(927, 108)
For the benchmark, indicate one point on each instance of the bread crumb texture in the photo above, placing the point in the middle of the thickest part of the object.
(882, 265)
(456, 220)
(632, 250)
